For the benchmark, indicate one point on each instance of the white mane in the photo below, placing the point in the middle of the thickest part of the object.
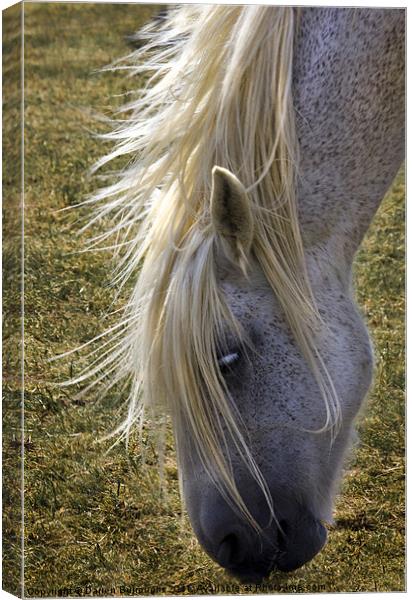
(218, 91)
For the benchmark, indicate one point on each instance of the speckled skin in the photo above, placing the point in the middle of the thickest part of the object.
(349, 98)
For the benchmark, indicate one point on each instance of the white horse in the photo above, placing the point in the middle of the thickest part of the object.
(260, 149)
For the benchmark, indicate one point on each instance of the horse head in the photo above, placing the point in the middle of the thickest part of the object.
(288, 482)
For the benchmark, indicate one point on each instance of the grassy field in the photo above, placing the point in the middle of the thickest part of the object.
(97, 519)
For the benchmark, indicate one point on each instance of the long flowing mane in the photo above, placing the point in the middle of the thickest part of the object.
(218, 92)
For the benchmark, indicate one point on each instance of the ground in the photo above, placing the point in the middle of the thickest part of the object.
(94, 518)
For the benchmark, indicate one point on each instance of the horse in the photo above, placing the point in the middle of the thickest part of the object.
(258, 150)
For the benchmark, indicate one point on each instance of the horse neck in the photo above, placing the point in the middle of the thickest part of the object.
(349, 100)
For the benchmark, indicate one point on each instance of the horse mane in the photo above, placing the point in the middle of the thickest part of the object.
(218, 91)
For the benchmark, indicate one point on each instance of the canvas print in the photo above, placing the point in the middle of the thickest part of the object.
(203, 299)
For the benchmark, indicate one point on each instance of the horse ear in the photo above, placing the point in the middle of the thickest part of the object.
(231, 212)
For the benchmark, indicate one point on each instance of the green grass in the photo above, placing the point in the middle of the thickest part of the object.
(97, 519)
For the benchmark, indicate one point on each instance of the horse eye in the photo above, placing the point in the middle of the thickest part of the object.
(228, 361)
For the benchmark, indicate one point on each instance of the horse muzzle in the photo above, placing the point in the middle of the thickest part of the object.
(250, 556)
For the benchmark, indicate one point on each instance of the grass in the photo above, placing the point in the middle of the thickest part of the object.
(96, 519)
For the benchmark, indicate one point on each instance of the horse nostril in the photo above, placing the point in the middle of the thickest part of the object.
(230, 552)
(299, 541)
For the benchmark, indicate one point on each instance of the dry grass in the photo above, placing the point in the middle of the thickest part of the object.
(96, 519)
